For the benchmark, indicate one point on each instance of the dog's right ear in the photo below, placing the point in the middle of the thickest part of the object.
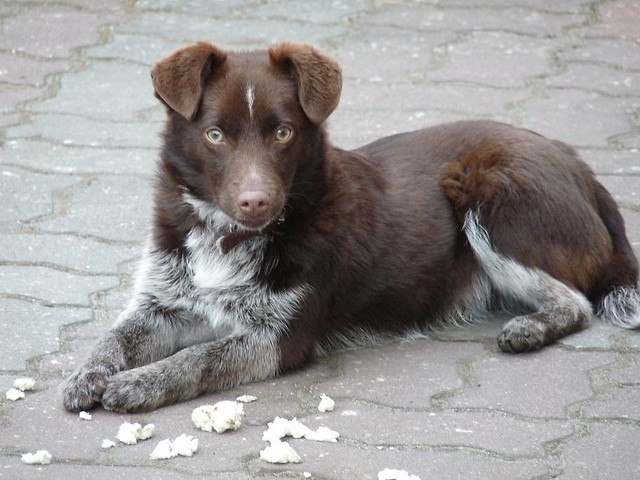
(179, 78)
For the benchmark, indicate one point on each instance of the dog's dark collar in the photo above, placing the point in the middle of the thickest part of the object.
(232, 239)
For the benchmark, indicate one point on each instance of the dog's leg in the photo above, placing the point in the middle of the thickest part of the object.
(143, 334)
(558, 310)
(215, 365)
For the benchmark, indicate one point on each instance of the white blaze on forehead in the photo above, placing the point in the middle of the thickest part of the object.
(251, 96)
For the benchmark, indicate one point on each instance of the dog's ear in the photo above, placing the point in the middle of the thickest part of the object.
(319, 78)
(179, 78)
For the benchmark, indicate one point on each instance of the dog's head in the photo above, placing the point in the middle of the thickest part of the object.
(243, 124)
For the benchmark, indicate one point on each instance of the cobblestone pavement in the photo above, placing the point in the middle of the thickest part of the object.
(79, 135)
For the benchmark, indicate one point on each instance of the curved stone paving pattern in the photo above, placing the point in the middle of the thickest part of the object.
(78, 139)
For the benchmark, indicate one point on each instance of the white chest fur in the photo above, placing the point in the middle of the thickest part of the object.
(220, 288)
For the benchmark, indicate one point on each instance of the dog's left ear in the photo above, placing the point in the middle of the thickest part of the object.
(179, 78)
(319, 78)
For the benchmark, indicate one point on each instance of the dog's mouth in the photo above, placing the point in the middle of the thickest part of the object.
(236, 233)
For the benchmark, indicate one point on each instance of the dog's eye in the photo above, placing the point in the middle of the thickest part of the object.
(284, 134)
(214, 135)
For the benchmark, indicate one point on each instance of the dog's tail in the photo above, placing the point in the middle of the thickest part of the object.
(617, 300)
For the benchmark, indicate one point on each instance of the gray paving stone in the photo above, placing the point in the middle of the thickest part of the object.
(338, 461)
(95, 92)
(55, 158)
(627, 372)
(523, 20)
(327, 12)
(230, 7)
(496, 433)
(114, 6)
(373, 124)
(618, 162)
(567, 6)
(51, 31)
(626, 190)
(15, 469)
(30, 329)
(407, 55)
(598, 78)
(75, 130)
(25, 195)
(622, 404)
(619, 19)
(68, 251)
(35, 282)
(465, 100)
(603, 51)
(495, 59)
(28, 71)
(12, 97)
(114, 208)
(229, 31)
(580, 118)
(629, 140)
(527, 385)
(143, 49)
(598, 335)
(388, 375)
(608, 450)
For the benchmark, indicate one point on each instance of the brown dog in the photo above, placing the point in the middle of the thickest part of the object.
(270, 245)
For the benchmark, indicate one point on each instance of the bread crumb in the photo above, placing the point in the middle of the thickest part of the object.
(223, 416)
(281, 427)
(85, 416)
(41, 457)
(130, 433)
(327, 404)
(106, 443)
(162, 450)
(279, 452)
(323, 434)
(389, 474)
(14, 394)
(24, 383)
(184, 445)
(246, 398)
(306, 475)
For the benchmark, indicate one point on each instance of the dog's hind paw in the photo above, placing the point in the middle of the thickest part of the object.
(522, 334)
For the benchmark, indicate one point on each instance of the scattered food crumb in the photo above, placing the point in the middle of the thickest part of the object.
(14, 394)
(323, 434)
(281, 427)
(85, 416)
(41, 457)
(306, 475)
(327, 404)
(130, 433)
(389, 474)
(223, 416)
(162, 450)
(184, 445)
(24, 383)
(106, 443)
(279, 452)
(246, 398)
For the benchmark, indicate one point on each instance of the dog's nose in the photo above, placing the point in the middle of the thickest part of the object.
(254, 203)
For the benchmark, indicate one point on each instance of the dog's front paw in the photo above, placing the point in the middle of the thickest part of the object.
(522, 334)
(133, 391)
(84, 388)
